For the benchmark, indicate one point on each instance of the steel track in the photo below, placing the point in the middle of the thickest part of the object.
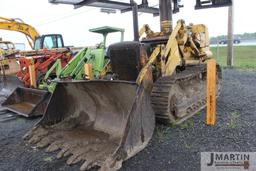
(178, 97)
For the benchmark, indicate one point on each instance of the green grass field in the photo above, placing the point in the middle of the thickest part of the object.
(244, 56)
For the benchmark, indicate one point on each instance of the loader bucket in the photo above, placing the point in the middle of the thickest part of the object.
(8, 84)
(101, 123)
(27, 101)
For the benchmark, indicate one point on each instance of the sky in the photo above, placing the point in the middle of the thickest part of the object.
(74, 24)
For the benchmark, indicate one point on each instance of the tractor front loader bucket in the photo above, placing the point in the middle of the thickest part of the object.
(101, 123)
(7, 85)
(27, 101)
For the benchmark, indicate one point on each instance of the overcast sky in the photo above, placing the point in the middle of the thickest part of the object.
(73, 24)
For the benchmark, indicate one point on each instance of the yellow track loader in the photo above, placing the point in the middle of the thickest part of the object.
(104, 122)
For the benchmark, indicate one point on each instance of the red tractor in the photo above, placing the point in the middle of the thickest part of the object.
(41, 64)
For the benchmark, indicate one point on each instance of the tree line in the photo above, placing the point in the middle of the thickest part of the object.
(245, 36)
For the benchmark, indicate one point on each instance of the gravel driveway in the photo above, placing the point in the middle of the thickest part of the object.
(171, 148)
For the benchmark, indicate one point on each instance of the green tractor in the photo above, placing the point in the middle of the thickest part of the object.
(30, 102)
(75, 68)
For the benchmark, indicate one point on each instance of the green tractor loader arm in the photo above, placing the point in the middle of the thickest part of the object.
(74, 70)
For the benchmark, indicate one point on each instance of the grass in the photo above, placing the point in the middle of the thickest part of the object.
(187, 124)
(20, 120)
(48, 158)
(234, 120)
(188, 146)
(244, 56)
(161, 132)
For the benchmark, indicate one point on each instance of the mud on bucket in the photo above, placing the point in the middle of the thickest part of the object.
(99, 122)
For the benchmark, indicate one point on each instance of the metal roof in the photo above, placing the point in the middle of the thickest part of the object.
(125, 6)
(106, 29)
(112, 4)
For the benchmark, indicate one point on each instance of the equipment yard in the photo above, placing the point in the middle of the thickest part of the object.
(171, 148)
(147, 95)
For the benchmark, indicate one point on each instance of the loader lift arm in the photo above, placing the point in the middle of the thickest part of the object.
(75, 68)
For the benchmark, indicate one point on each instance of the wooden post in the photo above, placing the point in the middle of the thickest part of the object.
(88, 71)
(230, 35)
(32, 73)
(211, 92)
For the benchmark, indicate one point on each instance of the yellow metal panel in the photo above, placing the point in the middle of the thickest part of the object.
(88, 71)
(199, 28)
(173, 61)
(172, 37)
(32, 73)
(211, 92)
(106, 69)
(171, 52)
(4, 62)
(149, 63)
(202, 29)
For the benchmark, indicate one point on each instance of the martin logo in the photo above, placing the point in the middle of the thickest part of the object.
(226, 161)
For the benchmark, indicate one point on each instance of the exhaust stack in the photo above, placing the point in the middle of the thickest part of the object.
(165, 9)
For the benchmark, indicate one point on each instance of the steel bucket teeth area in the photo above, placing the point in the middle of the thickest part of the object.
(101, 123)
(90, 146)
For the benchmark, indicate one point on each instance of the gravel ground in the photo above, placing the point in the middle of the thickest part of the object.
(171, 148)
